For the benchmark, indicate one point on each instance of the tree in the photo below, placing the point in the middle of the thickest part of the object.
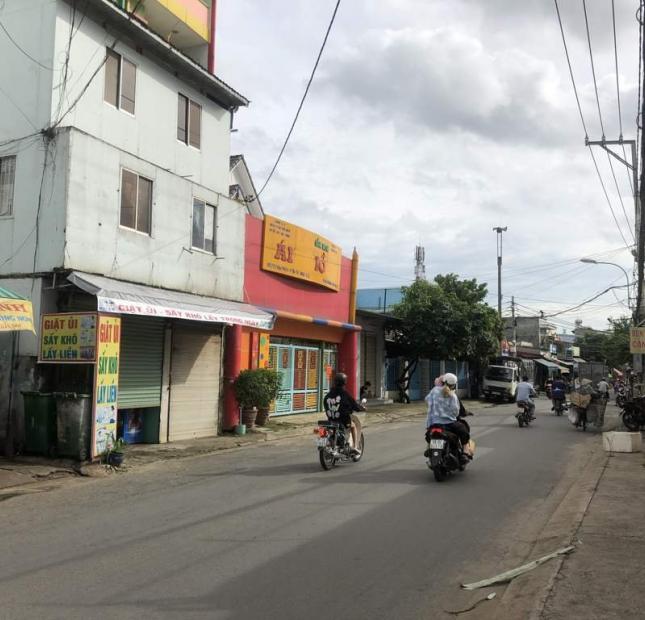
(609, 347)
(447, 319)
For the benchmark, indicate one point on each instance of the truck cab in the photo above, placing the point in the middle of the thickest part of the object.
(500, 382)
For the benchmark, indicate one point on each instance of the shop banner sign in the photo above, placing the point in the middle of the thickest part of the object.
(16, 315)
(637, 340)
(299, 253)
(106, 383)
(68, 338)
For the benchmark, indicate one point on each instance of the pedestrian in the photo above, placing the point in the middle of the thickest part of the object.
(603, 388)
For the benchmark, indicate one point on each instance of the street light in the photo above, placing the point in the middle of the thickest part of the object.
(591, 261)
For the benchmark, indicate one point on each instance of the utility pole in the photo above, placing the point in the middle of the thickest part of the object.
(514, 326)
(420, 266)
(499, 230)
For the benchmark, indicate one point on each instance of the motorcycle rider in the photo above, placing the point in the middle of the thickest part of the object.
(558, 392)
(444, 408)
(339, 406)
(525, 391)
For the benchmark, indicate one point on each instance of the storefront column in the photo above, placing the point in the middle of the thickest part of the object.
(232, 367)
(348, 360)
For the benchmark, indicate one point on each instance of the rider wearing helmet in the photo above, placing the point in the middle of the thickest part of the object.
(339, 406)
(444, 408)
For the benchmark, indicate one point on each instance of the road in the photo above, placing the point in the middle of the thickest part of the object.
(263, 532)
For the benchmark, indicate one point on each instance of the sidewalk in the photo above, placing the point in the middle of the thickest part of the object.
(25, 470)
(601, 579)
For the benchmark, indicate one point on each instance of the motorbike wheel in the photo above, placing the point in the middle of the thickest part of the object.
(440, 474)
(327, 460)
(520, 421)
(361, 447)
(631, 422)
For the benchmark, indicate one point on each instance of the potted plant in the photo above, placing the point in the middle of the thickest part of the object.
(246, 387)
(116, 453)
(271, 383)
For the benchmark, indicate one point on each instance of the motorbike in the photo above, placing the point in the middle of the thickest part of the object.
(334, 444)
(621, 397)
(633, 414)
(524, 414)
(445, 451)
(559, 406)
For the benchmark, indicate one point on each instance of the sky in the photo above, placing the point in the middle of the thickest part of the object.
(429, 122)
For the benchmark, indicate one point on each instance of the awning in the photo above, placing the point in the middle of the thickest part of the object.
(16, 313)
(579, 360)
(547, 363)
(128, 298)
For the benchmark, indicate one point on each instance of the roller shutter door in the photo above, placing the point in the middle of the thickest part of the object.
(141, 362)
(194, 383)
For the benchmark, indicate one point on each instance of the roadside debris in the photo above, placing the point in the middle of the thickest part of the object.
(516, 572)
(490, 597)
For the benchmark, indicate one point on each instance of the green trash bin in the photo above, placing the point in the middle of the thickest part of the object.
(73, 425)
(40, 423)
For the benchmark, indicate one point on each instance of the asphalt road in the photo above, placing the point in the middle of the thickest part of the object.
(265, 533)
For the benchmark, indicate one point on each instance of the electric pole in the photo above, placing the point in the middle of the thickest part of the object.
(499, 230)
(420, 266)
(514, 326)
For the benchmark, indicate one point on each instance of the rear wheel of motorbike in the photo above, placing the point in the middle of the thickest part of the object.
(327, 460)
(361, 447)
(520, 421)
(630, 420)
(440, 474)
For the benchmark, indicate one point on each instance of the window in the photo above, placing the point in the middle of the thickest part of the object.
(136, 201)
(7, 178)
(189, 122)
(120, 82)
(204, 226)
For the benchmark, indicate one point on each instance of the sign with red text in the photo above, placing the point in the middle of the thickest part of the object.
(106, 382)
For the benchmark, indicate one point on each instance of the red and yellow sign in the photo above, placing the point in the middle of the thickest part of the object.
(637, 340)
(106, 383)
(299, 253)
(15, 314)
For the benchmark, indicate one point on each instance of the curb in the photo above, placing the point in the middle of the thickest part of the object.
(560, 530)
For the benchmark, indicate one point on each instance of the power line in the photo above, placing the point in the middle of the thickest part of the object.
(604, 189)
(23, 51)
(593, 69)
(639, 19)
(302, 101)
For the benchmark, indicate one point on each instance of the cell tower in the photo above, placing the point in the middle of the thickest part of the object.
(420, 263)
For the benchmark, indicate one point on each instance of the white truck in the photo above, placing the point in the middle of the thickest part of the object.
(501, 379)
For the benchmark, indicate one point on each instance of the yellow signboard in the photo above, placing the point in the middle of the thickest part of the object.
(68, 338)
(637, 339)
(106, 383)
(299, 253)
(15, 315)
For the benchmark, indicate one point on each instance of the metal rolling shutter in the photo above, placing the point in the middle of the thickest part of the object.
(194, 383)
(141, 361)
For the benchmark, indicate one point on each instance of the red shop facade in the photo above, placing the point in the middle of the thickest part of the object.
(310, 287)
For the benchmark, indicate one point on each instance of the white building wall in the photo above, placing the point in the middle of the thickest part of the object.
(151, 133)
(96, 243)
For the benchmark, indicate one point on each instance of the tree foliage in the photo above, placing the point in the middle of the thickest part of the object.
(610, 347)
(446, 319)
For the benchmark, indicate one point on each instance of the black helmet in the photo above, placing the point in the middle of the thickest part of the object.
(340, 380)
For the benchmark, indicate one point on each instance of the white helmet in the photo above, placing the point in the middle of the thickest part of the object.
(450, 379)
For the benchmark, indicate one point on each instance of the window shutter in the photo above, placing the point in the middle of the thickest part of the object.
(182, 117)
(195, 124)
(128, 198)
(111, 94)
(128, 85)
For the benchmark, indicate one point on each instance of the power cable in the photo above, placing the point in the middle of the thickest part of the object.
(302, 101)
(584, 303)
(620, 112)
(575, 91)
(641, 25)
(23, 51)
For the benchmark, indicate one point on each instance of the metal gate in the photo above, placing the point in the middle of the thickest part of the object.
(300, 370)
(140, 362)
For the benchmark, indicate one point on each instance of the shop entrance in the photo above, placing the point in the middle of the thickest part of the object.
(306, 372)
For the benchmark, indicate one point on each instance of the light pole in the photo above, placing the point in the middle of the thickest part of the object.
(591, 261)
(499, 230)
